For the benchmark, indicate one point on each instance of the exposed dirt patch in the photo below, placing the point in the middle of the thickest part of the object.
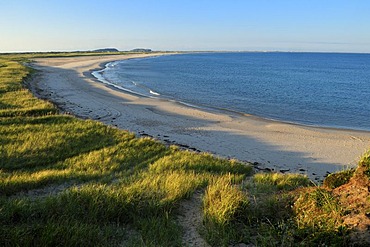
(190, 218)
(355, 199)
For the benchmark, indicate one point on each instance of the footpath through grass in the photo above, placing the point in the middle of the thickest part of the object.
(71, 182)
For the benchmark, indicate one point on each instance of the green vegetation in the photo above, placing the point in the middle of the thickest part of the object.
(71, 182)
(335, 180)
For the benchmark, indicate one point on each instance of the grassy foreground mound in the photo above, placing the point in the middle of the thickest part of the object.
(71, 182)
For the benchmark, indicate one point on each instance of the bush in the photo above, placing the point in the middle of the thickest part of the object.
(335, 180)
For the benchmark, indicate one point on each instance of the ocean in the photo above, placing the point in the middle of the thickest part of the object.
(315, 89)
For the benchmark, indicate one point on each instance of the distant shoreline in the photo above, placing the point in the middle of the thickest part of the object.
(271, 145)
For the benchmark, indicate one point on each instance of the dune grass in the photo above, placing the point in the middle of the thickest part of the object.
(66, 181)
(71, 182)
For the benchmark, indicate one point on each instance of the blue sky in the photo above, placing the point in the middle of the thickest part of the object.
(251, 25)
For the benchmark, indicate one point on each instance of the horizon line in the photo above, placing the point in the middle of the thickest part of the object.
(182, 51)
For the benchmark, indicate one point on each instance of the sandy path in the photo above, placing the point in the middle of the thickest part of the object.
(279, 146)
(190, 218)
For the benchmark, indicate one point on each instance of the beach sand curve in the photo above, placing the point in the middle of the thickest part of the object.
(271, 145)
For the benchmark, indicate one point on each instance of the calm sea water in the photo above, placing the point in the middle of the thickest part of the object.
(320, 89)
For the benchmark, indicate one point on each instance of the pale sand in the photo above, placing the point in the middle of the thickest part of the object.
(279, 146)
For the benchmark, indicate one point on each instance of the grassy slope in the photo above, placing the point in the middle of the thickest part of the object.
(66, 181)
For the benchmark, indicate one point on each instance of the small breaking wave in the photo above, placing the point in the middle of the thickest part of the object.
(154, 93)
(131, 87)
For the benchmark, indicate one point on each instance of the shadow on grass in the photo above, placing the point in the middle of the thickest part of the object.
(63, 149)
(6, 106)
(27, 112)
(48, 119)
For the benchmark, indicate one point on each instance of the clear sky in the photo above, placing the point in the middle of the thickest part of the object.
(252, 25)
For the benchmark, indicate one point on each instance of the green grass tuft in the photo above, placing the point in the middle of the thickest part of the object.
(278, 181)
(335, 180)
(319, 218)
(365, 164)
(224, 204)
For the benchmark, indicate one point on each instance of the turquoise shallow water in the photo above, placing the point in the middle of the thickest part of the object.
(320, 89)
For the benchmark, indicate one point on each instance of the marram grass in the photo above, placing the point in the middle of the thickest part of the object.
(71, 182)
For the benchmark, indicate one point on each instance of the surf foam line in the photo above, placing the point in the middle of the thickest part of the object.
(98, 75)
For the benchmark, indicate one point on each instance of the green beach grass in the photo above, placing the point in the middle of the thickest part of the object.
(72, 182)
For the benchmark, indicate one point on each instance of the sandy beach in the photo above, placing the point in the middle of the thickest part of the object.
(281, 147)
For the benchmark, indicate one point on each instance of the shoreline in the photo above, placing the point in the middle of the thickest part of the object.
(226, 111)
(270, 144)
(219, 110)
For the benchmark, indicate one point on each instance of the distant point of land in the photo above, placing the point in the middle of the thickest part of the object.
(106, 50)
(141, 50)
(116, 50)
